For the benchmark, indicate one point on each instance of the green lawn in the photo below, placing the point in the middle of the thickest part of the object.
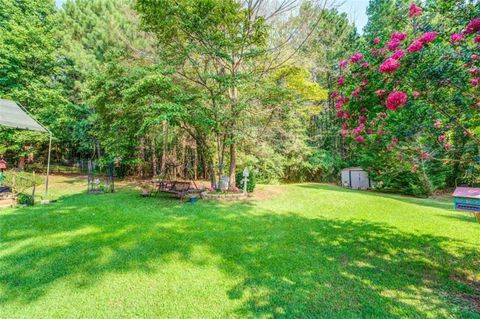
(304, 251)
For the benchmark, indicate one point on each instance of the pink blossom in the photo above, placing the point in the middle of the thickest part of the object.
(425, 156)
(389, 66)
(394, 140)
(437, 123)
(442, 138)
(362, 119)
(363, 110)
(344, 132)
(447, 146)
(374, 52)
(428, 37)
(334, 94)
(477, 39)
(398, 55)
(357, 91)
(380, 92)
(370, 130)
(342, 64)
(392, 45)
(416, 94)
(340, 114)
(382, 115)
(414, 10)
(341, 81)
(399, 36)
(356, 57)
(475, 57)
(360, 139)
(456, 38)
(376, 41)
(365, 65)
(396, 99)
(416, 46)
(380, 132)
(364, 82)
(473, 26)
(474, 71)
(475, 81)
(341, 102)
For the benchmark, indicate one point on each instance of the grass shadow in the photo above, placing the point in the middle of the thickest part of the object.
(287, 265)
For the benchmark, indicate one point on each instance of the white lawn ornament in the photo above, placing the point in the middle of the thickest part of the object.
(246, 173)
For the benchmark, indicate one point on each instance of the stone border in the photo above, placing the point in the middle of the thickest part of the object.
(227, 196)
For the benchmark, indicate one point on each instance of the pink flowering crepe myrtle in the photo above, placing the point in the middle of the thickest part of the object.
(428, 37)
(416, 46)
(393, 100)
(472, 27)
(396, 99)
(389, 66)
(456, 38)
(414, 10)
(356, 57)
(398, 55)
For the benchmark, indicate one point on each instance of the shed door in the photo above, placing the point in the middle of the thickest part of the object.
(355, 179)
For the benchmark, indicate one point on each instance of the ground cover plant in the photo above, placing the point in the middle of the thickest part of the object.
(305, 250)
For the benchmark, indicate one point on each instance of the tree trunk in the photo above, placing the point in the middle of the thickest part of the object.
(195, 161)
(141, 151)
(221, 157)
(233, 165)
(21, 163)
(164, 148)
(154, 158)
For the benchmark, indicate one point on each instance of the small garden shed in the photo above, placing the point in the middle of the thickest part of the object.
(468, 199)
(356, 178)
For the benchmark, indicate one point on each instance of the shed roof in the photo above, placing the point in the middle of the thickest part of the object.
(353, 169)
(12, 115)
(469, 192)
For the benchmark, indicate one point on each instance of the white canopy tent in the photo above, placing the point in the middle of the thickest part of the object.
(12, 114)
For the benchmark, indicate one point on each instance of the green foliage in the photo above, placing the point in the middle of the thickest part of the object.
(252, 181)
(30, 73)
(25, 199)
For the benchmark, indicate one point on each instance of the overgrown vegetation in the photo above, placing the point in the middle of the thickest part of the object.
(202, 89)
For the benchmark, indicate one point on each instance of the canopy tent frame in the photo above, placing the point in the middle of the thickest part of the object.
(27, 125)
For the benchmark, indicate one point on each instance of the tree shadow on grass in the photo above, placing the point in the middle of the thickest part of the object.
(287, 265)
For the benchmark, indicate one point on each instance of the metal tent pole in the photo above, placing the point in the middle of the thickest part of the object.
(48, 165)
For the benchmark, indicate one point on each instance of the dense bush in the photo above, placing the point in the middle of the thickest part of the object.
(252, 181)
(25, 199)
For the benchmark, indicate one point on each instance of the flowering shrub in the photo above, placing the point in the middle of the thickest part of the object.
(409, 97)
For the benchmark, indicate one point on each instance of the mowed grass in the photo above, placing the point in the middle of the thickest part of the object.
(299, 251)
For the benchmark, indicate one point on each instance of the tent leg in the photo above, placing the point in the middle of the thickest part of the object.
(48, 165)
